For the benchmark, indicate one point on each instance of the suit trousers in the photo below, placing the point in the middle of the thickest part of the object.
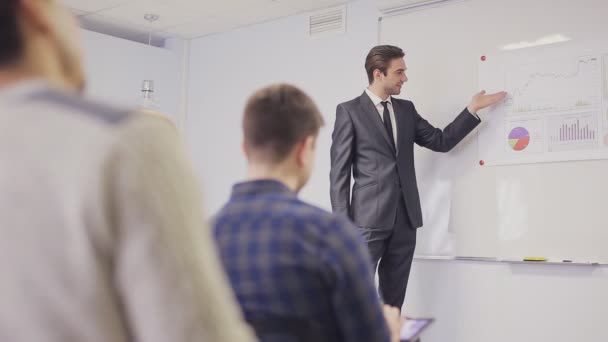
(394, 250)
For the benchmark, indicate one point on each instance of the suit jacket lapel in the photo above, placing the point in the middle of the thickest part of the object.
(370, 112)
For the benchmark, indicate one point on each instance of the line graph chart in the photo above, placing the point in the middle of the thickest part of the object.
(554, 86)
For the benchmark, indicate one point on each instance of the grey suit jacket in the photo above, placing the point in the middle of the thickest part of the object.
(361, 145)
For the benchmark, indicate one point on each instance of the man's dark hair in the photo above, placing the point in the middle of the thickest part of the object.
(11, 44)
(379, 58)
(278, 117)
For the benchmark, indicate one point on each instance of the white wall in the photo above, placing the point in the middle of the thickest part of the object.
(474, 302)
(116, 67)
(226, 68)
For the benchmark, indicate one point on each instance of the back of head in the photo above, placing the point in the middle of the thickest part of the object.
(276, 119)
(10, 38)
(40, 39)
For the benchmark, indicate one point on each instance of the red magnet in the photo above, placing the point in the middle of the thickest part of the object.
(481, 162)
(483, 58)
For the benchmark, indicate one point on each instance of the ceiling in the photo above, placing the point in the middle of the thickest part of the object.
(185, 19)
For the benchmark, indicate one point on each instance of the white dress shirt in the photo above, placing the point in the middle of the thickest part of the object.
(377, 101)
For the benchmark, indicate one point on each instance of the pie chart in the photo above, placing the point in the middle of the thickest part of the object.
(519, 138)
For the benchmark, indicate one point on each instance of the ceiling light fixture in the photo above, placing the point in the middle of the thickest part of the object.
(148, 102)
(546, 40)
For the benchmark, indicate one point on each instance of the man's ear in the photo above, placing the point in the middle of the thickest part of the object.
(377, 74)
(304, 148)
(245, 149)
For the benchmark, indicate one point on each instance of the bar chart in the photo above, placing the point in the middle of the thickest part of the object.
(573, 132)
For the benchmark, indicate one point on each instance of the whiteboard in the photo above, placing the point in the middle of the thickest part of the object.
(556, 210)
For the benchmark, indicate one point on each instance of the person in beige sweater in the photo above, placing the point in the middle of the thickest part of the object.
(100, 212)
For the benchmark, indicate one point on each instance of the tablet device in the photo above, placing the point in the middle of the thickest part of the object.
(413, 327)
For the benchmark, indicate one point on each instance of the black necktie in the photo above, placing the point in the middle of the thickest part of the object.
(388, 123)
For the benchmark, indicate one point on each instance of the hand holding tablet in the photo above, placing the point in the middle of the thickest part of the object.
(413, 327)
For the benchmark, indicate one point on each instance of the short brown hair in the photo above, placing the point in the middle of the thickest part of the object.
(379, 58)
(276, 118)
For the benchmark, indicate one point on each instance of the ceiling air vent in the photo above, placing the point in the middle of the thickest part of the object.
(329, 21)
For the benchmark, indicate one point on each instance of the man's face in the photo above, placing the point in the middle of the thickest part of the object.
(395, 77)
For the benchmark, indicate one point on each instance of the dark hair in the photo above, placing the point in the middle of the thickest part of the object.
(276, 118)
(11, 45)
(379, 58)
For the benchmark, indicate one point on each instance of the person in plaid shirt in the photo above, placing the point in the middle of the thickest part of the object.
(286, 259)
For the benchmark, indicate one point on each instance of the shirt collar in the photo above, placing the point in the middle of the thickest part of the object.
(261, 187)
(376, 100)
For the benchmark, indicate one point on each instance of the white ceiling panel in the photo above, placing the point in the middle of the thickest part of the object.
(258, 14)
(211, 7)
(92, 5)
(392, 3)
(184, 18)
(309, 5)
(133, 13)
(117, 28)
(232, 20)
(104, 24)
(201, 27)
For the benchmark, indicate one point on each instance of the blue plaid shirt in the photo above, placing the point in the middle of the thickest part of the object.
(285, 257)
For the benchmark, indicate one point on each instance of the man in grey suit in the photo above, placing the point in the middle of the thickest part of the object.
(374, 138)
